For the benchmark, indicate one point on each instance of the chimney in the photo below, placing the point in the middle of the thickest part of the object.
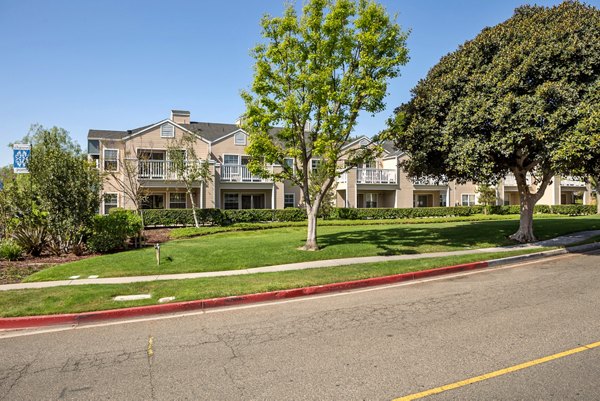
(180, 116)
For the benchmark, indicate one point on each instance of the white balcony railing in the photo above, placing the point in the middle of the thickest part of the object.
(571, 182)
(511, 181)
(343, 178)
(157, 170)
(375, 176)
(239, 173)
(430, 182)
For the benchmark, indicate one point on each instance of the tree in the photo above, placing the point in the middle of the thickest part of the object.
(507, 102)
(63, 187)
(312, 78)
(487, 195)
(127, 179)
(188, 167)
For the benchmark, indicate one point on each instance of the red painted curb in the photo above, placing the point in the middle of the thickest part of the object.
(75, 318)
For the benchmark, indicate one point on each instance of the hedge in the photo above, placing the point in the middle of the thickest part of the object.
(571, 210)
(402, 213)
(219, 217)
(184, 217)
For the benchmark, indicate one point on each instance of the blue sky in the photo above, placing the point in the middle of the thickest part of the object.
(117, 64)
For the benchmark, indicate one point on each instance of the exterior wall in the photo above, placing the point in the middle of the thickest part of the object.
(348, 194)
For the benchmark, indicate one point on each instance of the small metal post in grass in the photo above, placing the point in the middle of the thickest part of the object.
(157, 249)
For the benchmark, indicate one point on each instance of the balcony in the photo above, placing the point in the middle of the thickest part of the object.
(511, 181)
(239, 173)
(571, 182)
(430, 182)
(156, 170)
(375, 176)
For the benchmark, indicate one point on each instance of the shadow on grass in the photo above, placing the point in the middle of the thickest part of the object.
(406, 239)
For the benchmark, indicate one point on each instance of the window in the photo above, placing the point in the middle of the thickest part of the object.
(167, 131)
(468, 199)
(231, 201)
(240, 139)
(443, 200)
(370, 200)
(314, 164)
(288, 161)
(289, 200)
(111, 157)
(177, 200)
(231, 159)
(154, 202)
(110, 201)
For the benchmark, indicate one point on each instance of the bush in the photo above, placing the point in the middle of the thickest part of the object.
(10, 250)
(402, 213)
(110, 231)
(571, 210)
(184, 217)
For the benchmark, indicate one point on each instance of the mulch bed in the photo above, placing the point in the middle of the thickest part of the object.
(15, 271)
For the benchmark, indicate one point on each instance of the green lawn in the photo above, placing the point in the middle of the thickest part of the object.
(246, 249)
(72, 299)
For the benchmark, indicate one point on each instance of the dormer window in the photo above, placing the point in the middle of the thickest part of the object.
(167, 131)
(240, 139)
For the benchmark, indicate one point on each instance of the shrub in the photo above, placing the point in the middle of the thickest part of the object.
(402, 213)
(110, 231)
(10, 250)
(184, 217)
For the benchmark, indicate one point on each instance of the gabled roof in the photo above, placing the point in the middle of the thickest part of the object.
(211, 131)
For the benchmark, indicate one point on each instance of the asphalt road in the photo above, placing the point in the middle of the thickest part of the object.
(373, 344)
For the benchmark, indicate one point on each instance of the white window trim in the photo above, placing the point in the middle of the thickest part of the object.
(239, 159)
(104, 159)
(468, 199)
(293, 196)
(185, 198)
(104, 200)
(167, 136)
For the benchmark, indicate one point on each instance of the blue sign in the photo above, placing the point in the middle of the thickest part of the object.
(1, 185)
(21, 153)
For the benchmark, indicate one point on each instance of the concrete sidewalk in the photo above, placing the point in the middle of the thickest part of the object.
(559, 241)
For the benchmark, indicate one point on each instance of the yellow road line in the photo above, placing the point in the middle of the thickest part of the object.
(497, 373)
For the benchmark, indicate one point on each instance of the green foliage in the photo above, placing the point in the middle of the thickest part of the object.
(10, 250)
(487, 195)
(517, 98)
(110, 232)
(402, 213)
(570, 210)
(53, 205)
(313, 76)
(184, 217)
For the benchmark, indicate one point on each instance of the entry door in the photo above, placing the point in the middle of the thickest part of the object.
(421, 200)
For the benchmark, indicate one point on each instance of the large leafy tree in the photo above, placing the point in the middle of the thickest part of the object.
(507, 102)
(62, 186)
(313, 76)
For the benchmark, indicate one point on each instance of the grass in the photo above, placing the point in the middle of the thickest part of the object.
(190, 232)
(247, 249)
(84, 298)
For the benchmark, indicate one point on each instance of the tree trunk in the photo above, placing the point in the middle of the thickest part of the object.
(525, 232)
(191, 195)
(311, 232)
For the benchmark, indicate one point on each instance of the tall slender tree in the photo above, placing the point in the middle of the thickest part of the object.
(313, 76)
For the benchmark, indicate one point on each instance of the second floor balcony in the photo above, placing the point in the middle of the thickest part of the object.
(376, 176)
(571, 182)
(157, 169)
(430, 182)
(239, 173)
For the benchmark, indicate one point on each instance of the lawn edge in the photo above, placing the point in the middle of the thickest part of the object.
(26, 322)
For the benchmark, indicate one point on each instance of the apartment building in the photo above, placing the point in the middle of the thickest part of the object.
(380, 183)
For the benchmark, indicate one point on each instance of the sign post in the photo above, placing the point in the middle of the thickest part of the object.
(21, 153)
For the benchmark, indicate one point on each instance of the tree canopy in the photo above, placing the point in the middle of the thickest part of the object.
(313, 76)
(511, 100)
